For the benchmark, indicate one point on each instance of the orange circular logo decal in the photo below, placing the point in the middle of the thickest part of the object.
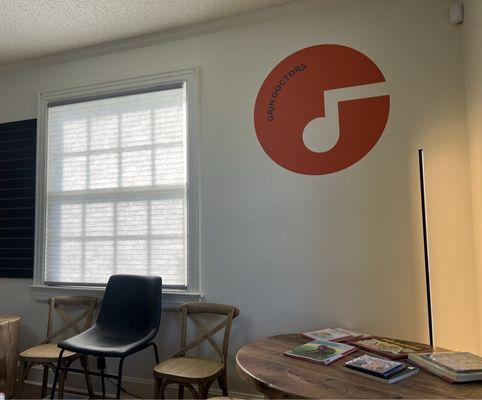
(293, 95)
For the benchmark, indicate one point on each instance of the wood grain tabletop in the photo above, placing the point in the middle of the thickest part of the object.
(262, 364)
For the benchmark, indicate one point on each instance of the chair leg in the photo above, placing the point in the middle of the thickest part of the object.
(56, 375)
(101, 367)
(84, 361)
(45, 380)
(119, 378)
(164, 383)
(190, 388)
(162, 389)
(102, 377)
(202, 391)
(223, 383)
(206, 388)
(62, 378)
(180, 394)
(156, 353)
(157, 387)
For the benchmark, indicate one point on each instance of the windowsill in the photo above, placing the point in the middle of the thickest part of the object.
(171, 299)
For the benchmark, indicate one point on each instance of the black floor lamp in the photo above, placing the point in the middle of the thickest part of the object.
(421, 166)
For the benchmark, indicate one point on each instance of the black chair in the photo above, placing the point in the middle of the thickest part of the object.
(128, 320)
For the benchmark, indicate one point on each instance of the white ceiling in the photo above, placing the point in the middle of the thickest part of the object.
(34, 28)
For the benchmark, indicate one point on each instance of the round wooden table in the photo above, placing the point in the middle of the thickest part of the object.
(262, 364)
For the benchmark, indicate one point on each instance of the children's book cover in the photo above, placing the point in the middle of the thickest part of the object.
(320, 351)
(375, 365)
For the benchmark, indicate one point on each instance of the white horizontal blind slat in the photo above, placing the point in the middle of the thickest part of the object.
(116, 189)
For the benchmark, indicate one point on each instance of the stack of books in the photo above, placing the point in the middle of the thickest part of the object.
(321, 351)
(390, 348)
(382, 370)
(452, 366)
(335, 334)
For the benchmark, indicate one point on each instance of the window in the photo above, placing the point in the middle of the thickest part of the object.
(118, 187)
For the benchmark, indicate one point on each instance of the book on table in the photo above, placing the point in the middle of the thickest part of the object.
(453, 366)
(380, 369)
(390, 348)
(320, 351)
(354, 334)
(375, 365)
(397, 377)
(335, 334)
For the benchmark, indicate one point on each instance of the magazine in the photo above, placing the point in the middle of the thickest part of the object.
(375, 365)
(398, 376)
(321, 351)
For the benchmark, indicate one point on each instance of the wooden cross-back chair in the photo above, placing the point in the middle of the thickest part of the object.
(46, 353)
(187, 372)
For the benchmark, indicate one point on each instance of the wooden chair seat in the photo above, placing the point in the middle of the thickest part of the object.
(188, 369)
(44, 352)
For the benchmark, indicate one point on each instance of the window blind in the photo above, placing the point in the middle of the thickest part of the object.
(17, 198)
(116, 189)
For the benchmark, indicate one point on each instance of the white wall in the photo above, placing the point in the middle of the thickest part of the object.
(301, 252)
(472, 46)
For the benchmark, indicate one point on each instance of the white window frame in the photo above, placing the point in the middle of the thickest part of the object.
(190, 77)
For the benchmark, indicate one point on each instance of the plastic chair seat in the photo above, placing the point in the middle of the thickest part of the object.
(97, 341)
(44, 352)
(188, 368)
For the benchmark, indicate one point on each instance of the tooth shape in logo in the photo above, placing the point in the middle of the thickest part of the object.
(292, 95)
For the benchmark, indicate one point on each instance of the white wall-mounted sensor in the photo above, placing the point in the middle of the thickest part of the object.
(456, 13)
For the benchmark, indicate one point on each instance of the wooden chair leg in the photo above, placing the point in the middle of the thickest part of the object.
(201, 390)
(45, 380)
(162, 389)
(223, 383)
(180, 394)
(84, 361)
(206, 388)
(157, 387)
(190, 388)
(62, 378)
(163, 384)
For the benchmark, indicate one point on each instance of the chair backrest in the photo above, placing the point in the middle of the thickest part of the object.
(193, 312)
(132, 303)
(59, 304)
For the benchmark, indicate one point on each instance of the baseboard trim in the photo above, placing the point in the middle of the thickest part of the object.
(141, 387)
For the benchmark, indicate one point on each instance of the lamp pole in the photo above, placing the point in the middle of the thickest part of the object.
(421, 165)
